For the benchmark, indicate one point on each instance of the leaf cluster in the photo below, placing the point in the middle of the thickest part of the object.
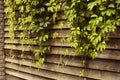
(88, 20)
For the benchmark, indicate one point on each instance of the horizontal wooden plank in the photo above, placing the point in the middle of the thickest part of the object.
(107, 54)
(54, 26)
(17, 34)
(108, 65)
(110, 54)
(18, 47)
(65, 32)
(56, 68)
(10, 77)
(53, 50)
(111, 44)
(109, 76)
(44, 73)
(59, 18)
(50, 67)
(52, 34)
(65, 69)
(60, 32)
(51, 42)
(23, 75)
(115, 34)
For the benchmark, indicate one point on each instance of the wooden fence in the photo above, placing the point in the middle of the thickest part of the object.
(18, 67)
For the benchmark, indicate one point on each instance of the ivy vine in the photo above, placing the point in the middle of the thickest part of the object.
(88, 20)
(30, 16)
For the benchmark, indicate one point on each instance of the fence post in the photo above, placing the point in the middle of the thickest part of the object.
(2, 57)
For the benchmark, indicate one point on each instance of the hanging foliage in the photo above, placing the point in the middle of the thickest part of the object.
(88, 20)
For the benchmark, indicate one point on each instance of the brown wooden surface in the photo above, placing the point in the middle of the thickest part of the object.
(107, 54)
(100, 64)
(112, 44)
(25, 76)
(10, 77)
(105, 67)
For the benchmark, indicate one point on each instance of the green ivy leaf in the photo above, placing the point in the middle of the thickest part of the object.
(111, 6)
(91, 5)
(94, 16)
(117, 1)
(102, 7)
(93, 54)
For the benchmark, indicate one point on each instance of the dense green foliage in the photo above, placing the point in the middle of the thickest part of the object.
(88, 20)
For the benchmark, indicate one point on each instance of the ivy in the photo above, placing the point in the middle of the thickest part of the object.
(88, 20)
(30, 16)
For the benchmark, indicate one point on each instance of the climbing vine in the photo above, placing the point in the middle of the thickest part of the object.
(88, 20)
(30, 16)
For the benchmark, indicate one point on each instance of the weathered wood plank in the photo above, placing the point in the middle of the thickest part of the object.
(115, 34)
(107, 54)
(57, 68)
(65, 33)
(10, 77)
(110, 54)
(51, 42)
(76, 62)
(111, 44)
(55, 26)
(109, 76)
(8, 35)
(52, 34)
(65, 69)
(18, 47)
(95, 64)
(23, 75)
(44, 73)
